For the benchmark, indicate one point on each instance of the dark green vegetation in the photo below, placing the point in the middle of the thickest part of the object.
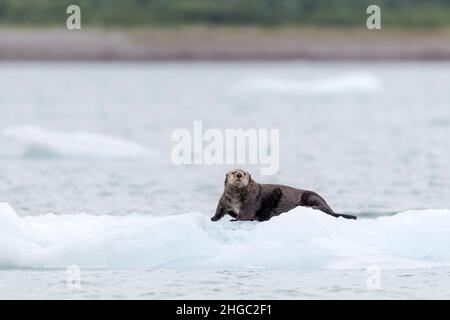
(401, 13)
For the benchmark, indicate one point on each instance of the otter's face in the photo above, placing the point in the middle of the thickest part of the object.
(237, 178)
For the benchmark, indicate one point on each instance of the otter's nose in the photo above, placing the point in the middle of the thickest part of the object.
(239, 175)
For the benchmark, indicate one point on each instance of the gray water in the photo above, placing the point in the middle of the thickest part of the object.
(371, 138)
(204, 285)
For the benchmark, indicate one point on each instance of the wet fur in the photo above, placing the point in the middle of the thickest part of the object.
(263, 201)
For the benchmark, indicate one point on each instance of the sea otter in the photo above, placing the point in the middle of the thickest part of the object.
(244, 199)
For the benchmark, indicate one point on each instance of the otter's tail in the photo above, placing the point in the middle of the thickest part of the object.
(346, 216)
(313, 200)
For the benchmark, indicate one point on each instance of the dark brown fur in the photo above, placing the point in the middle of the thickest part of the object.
(254, 201)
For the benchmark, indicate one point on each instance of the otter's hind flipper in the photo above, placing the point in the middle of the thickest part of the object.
(269, 205)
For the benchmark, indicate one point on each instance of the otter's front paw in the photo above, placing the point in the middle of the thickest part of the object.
(215, 218)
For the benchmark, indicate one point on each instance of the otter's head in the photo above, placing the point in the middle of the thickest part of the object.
(237, 179)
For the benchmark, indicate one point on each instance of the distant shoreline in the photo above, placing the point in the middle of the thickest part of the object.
(222, 43)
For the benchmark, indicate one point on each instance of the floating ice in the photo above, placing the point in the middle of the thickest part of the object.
(341, 84)
(300, 239)
(39, 142)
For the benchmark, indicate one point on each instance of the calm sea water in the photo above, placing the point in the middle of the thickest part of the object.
(372, 138)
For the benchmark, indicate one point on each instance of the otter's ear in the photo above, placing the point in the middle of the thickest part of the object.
(226, 179)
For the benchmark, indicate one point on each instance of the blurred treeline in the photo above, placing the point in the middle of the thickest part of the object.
(401, 13)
